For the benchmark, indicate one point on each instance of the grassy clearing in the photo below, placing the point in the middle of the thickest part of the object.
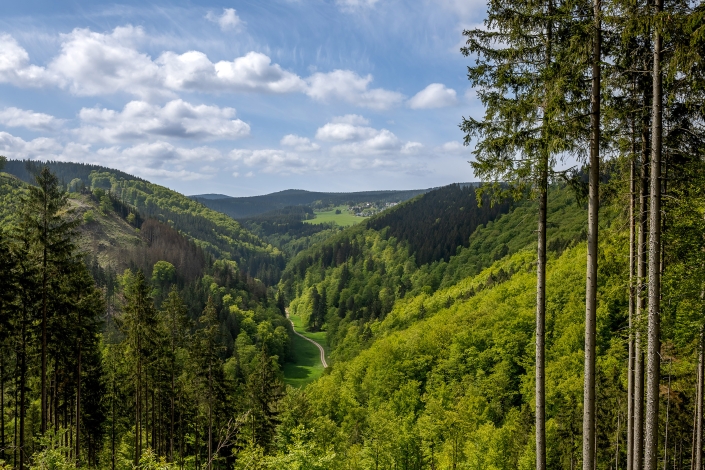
(305, 366)
(344, 219)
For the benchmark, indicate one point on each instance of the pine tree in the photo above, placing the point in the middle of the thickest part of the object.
(174, 323)
(530, 87)
(138, 322)
(44, 214)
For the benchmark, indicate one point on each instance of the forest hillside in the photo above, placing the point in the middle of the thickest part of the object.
(217, 234)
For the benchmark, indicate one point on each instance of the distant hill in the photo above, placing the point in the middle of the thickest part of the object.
(244, 207)
(210, 196)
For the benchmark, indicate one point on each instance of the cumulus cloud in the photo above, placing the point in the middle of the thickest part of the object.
(353, 119)
(340, 131)
(345, 85)
(140, 120)
(15, 117)
(227, 21)
(18, 148)
(15, 67)
(253, 72)
(273, 161)
(300, 144)
(436, 95)
(94, 64)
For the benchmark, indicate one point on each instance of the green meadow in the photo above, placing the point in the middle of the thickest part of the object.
(344, 219)
(305, 366)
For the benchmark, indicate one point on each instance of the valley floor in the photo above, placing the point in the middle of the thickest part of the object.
(305, 366)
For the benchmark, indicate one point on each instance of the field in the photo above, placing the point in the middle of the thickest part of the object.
(305, 366)
(344, 219)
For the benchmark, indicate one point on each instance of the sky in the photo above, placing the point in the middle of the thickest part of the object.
(242, 97)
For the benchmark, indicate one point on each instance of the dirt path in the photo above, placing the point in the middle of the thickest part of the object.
(320, 348)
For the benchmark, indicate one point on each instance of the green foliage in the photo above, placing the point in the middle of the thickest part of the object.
(163, 273)
(54, 453)
(214, 232)
(88, 217)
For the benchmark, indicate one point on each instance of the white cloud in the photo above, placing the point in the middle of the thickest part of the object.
(344, 132)
(411, 148)
(15, 67)
(99, 64)
(94, 64)
(15, 117)
(17, 148)
(383, 141)
(273, 160)
(354, 119)
(345, 85)
(300, 144)
(227, 21)
(140, 120)
(436, 95)
(253, 72)
(452, 147)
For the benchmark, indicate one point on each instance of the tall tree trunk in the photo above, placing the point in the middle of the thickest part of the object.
(138, 405)
(591, 278)
(632, 306)
(540, 391)
(2, 405)
(78, 405)
(23, 378)
(44, 329)
(654, 340)
(541, 326)
(638, 445)
(698, 451)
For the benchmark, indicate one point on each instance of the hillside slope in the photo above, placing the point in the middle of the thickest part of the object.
(217, 234)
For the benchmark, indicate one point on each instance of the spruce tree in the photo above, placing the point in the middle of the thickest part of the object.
(44, 213)
(529, 83)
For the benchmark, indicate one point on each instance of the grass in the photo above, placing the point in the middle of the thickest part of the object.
(305, 366)
(344, 219)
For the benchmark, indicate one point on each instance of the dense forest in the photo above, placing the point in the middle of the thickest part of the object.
(246, 207)
(564, 329)
(218, 235)
(180, 358)
(284, 228)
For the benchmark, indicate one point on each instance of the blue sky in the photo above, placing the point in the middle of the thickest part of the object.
(242, 97)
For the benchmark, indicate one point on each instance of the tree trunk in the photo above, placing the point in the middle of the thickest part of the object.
(23, 378)
(541, 326)
(632, 306)
(44, 333)
(2, 405)
(591, 278)
(654, 341)
(699, 405)
(78, 400)
(638, 445)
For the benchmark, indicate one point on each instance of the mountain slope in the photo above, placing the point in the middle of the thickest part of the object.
(217, 234)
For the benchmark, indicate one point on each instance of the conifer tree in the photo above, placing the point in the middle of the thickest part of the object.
(7, 269)
(44, 213)
(175, 325)
(530, 87)
(138, 324)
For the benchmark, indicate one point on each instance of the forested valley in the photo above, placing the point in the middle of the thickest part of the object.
(550, 316)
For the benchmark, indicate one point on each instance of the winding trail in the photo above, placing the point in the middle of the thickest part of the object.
(320, 348)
